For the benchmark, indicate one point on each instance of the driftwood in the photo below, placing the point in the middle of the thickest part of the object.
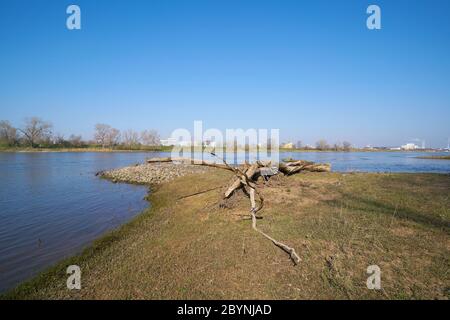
(188, 161)
(246, 177)
(289, 168)
(156, 160)
(240, 181)
(302, 165)
(291, 251)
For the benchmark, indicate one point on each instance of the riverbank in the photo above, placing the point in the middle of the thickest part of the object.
(436, 157)
(75, 150)
(195, 248)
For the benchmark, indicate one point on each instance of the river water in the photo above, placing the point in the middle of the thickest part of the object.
(52, 205)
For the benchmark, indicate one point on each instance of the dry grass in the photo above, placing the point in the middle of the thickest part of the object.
(338, 223)
(436, 157)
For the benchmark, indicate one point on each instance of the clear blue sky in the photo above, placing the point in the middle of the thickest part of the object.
(311, 69)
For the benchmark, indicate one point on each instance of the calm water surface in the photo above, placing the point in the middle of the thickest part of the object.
(376, 161)
(52, 204)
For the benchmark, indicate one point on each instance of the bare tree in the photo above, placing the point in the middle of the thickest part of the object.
(347, 145)
(130, 138)
(105, 135)
(8, 134)
(322, 145)
(337, 146)
(75, 141)
(299, 144)
(59, 139)
(36, 130)
(150, 138)
(101, 134)
(113, 137)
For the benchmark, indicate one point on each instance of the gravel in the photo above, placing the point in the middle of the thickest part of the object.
(154, 173)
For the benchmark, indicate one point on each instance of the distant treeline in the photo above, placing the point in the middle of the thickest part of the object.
(37, 133)
(321, 145)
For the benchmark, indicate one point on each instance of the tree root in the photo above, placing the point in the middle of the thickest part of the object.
(291, 251)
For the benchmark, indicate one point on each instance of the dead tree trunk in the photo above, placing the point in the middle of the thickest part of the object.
(246, 177)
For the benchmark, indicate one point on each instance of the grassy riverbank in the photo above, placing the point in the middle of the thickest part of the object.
(436, 157)
(339, 224)
(87, 149)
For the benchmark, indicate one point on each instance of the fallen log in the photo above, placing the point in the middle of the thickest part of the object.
(235, 185)
(297, 163)
(249, 173)
(196, 162)
(157, 160)
(321, 167)
(301, 165)
(287, 168)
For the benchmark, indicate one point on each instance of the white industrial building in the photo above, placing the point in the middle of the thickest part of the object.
(410, 146)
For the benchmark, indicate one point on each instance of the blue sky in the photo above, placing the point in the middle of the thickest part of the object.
(310, 68)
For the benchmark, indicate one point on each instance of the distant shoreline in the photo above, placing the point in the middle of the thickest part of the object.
(81, 150)
(197, 149)
(358, 150)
